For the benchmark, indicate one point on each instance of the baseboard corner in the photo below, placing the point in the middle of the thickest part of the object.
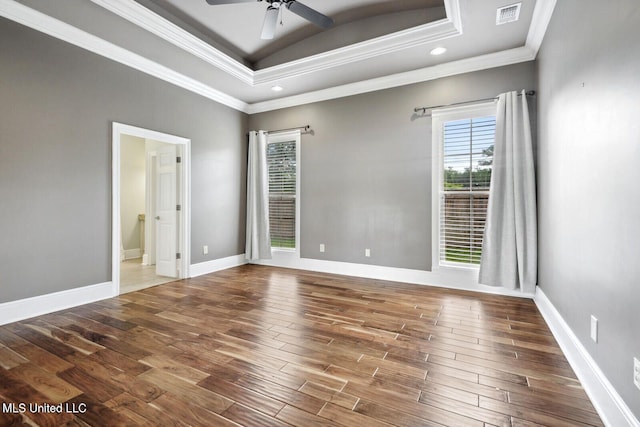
(212, 266)
(606, 400)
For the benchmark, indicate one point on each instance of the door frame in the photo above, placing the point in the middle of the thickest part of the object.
(184, 189)
(149, 205)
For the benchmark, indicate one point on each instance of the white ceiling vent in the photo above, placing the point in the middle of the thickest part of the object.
(509, 13)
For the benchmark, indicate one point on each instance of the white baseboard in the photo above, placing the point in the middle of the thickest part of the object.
(610, 406)
(212, 266)
(132, 253)
(14, 311)
(461, 279)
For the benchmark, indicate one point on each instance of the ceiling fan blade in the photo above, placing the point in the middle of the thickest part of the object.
(217, 2)
(309, 14)
(270, 23)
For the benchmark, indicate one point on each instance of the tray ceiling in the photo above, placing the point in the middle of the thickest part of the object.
(216, 51)
(236, 27)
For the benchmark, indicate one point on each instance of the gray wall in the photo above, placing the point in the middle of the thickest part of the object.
(57, 104)
(366, 168)
(588, 197)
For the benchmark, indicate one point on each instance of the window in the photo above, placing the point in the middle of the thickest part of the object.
(463, 157)
(282, 164)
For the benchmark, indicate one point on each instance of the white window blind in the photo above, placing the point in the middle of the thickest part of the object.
(281, 163)
(467, 158)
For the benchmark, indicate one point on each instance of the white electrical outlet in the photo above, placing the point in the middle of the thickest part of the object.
(636, 372)
(367, 252)
(321, 247)
(594, 328)
(205, 250)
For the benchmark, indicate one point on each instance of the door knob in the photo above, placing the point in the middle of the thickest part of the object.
(158, 217)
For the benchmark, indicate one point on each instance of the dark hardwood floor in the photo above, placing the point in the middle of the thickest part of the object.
(261, 346)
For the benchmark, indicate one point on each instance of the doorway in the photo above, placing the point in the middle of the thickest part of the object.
(161, 232)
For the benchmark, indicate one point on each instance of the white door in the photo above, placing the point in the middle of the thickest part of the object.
(166, 211)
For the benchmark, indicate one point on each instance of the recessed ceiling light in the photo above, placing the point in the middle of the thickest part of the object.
(277, 88)
(439, 50)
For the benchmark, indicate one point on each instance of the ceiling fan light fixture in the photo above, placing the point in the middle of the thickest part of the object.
(438, 51)
(270, 23)
(273, 12)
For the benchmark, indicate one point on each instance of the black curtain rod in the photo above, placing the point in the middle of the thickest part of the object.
(304, 128)
(424, 109)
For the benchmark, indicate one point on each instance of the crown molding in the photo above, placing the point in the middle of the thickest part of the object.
(412, 37)
(165, 29)
(542, 14)
(539, 22)
(452, 10)
(46, 24)
(168, 31)
(477, 63)
(420, 35)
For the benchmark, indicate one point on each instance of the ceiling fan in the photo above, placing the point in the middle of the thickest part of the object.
(271, 17)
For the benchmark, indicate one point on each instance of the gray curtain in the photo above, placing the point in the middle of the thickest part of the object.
(258, 243)
(509, 249)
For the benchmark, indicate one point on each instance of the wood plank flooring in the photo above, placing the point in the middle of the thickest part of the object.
(261, 346)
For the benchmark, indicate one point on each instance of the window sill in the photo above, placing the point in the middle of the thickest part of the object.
(283, 250)
(457, 267)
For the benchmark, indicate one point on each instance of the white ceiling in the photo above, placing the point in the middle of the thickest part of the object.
(217, 51)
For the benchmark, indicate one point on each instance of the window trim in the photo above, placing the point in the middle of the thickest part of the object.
(439, 117)
(289, 136)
